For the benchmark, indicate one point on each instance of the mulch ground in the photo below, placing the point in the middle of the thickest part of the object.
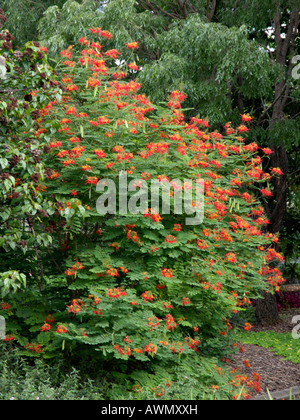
(276, 374)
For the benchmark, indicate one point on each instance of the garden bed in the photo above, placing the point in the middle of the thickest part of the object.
(276, 372)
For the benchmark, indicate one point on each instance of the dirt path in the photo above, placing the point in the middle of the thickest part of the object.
(275, 373)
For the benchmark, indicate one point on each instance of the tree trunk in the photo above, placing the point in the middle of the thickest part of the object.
(210, 9)
(279, 160)
(266, 310)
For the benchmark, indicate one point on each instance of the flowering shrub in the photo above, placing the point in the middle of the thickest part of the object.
(146, 289)
(26, 87)
(288, 300)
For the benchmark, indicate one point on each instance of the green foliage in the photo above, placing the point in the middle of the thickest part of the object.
(11, 281)
(26, 88)
(207, 60)
(227, 60)
(290, 242)
(23, 17)
(60, 27)
(145, 295)
(22, 380)
(226, 56)
(144, 289)
(281, 134)
(257, 15)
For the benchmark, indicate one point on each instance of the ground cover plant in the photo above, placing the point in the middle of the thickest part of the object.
(288, 300)
(282, 344)
(145, 296)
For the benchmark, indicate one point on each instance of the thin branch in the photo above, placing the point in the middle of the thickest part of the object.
(145, 5)
(236, 4)
(293, 181)
(292, 30)
(157, 9)
(292, 178)
(182, 7)
(267, 208)
(210, 14)
(192, 7)
(278, 38)
(271, 106)
(265, 109)
(37, 254)
(58, 267)
(172, 15)
(282, 89)
(10, 91)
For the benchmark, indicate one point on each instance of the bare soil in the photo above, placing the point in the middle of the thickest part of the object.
(276, 374)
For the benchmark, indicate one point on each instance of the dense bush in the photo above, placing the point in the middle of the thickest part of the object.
(27, 84)
(288, 300)
(22, 380)
(146, 295)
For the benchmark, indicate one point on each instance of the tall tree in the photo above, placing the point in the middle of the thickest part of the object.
(23, 17)
(61, 27)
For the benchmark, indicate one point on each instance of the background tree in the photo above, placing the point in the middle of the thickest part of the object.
(23, 17)
(63, 26)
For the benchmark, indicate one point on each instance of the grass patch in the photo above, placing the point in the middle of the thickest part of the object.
(282, 344)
